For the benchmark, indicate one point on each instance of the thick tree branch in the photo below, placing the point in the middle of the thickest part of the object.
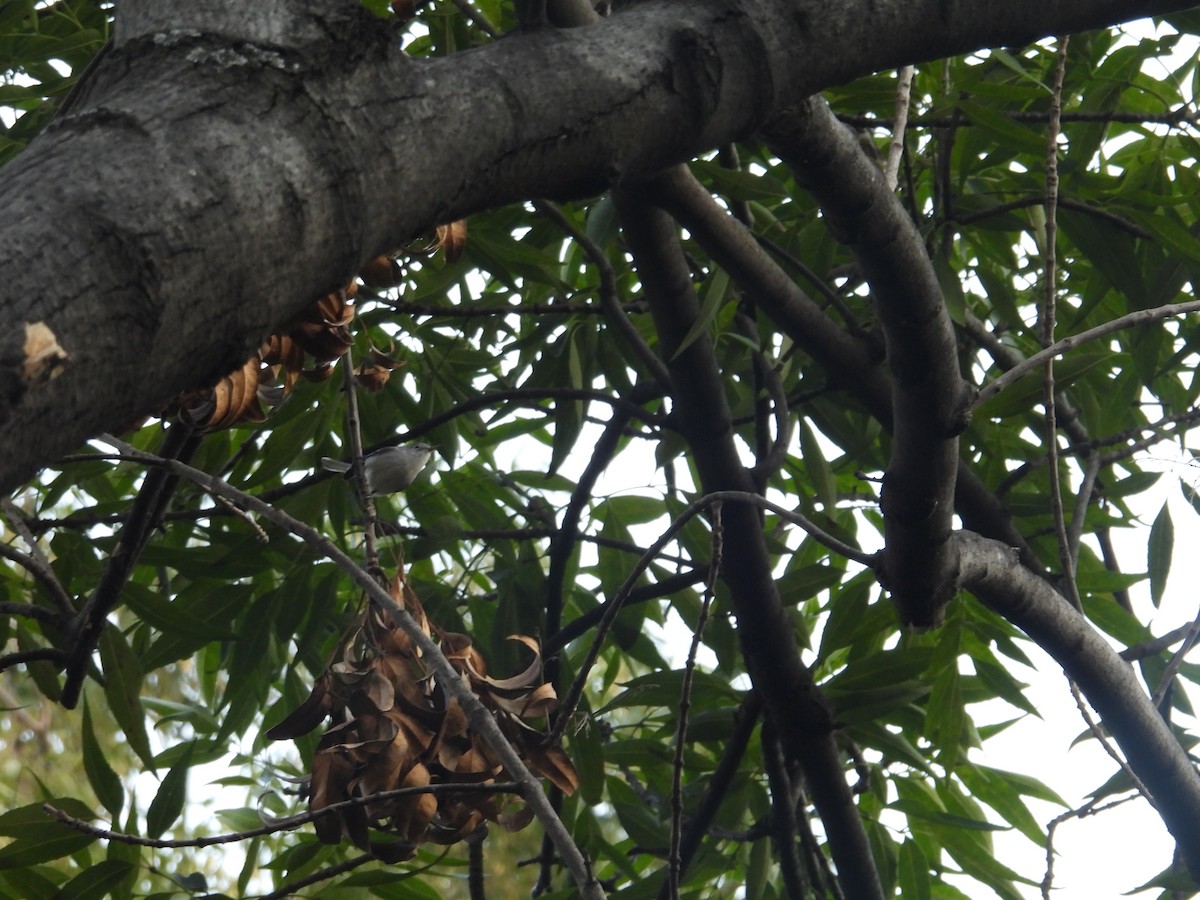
(798, 708)
(929, 396)
(990, 571)
(220, 170)
(847, 360)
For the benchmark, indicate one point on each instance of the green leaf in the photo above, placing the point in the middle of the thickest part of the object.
(1026, 392)
(1159, 552)
(167, 805)
(711, 298)
(122, 687)
(96, 882)
(666, 688)
(913, 873)
(105, 782)
(740, 184)
(817, 466)
(43, 841)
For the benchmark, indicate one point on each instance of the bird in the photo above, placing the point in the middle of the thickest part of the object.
(388, 469)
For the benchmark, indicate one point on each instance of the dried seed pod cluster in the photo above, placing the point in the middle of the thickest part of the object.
(267, 377)
(395, 726)
(321, 331)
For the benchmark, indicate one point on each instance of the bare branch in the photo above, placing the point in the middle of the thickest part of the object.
(929, 397)
(1131, 320)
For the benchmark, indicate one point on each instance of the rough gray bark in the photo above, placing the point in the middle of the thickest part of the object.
(218, 175)
(929, 397)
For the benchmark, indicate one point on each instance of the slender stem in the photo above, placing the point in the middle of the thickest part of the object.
(1061, 347)
(1047, 315)
(613, 605)
(904, 78)
(354, 431)
(685, 703)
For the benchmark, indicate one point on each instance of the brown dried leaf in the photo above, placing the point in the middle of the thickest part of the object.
(319, 373)
(553, 764)
(381, 272)
(308, 715)
(452, 238)
(515, 820)
(373, 373)
(322, 329)
(531, 675)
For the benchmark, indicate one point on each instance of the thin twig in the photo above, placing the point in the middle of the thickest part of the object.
(1169, 673)
(27, 610)
(891, 172)
(1047, 315)
(1065, 203)
(1155, 646)
(47, 579)
(39, 566)
(354, 433)
(685, 702)
(38, 654)
(1139, 317)
(784, 821)
(1090, 808)
(1082, 501)
(287, 823)
(613, 605)
(1099, 735)
(1174, 117)
(476, 875)
(290, 889)
(145, 515)
(614, 312)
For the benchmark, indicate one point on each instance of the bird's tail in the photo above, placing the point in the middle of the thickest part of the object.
(334, 465)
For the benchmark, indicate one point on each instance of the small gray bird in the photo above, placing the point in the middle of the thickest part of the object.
(389, 469)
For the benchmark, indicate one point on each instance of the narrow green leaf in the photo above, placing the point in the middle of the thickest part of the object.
(168, 802)
(1011, 134)
(1024, 393)
(95, 882)
(16, 822)
(42, 843)
(105, 782)
(711, 299)
(914, 873)
(817, 466)
(740, 184)
(759, 869)
(1158, 553)
(122, 688)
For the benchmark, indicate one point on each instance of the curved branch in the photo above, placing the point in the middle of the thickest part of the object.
(38, 654)
(144, 516)
(929, 397)
(794, 702)
(1037, 360)
(273, 827)
(990, 571)
(849, 363)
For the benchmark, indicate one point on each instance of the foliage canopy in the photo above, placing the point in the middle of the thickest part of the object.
(770, 366)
